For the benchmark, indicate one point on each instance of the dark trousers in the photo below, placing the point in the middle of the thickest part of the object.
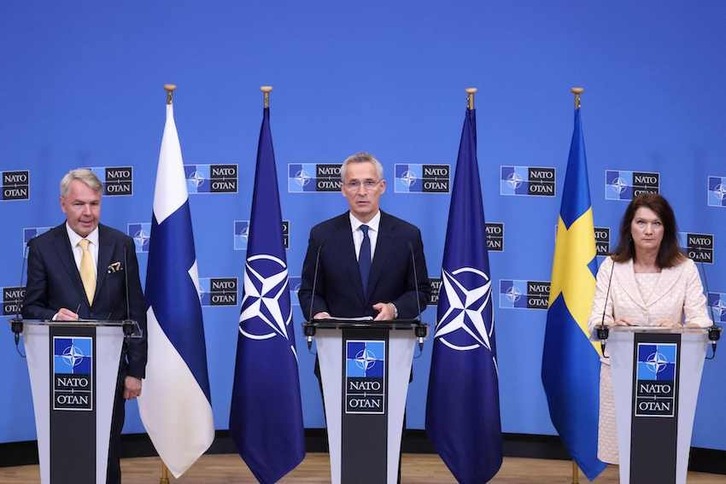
(113, 469)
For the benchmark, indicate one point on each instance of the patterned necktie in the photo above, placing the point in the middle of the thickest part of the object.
(88, 275)
(364, 258)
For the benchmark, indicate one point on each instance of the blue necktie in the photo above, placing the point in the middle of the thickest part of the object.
(364, 258)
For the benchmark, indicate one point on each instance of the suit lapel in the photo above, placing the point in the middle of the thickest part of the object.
(381, 255)
(349, 261)
(626, 277)
(666, 281)
(105, 251)
(65, 255)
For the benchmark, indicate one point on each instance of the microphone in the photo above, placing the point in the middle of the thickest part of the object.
(603, 332)
(128, 327)
(714, 332)
(16, 325)
(310, 331)
(126, 283)
(418, 299)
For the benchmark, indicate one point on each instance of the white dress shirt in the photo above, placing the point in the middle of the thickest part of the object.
(358, 234)
(78, 252)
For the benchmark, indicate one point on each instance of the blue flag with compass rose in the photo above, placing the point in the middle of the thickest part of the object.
(266, 412)
(462, 412)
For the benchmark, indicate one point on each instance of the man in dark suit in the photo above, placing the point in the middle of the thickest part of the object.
(332, 261)
(78, 270)
(333, 277)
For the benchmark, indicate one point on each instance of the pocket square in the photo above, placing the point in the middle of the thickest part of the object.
(114, 267)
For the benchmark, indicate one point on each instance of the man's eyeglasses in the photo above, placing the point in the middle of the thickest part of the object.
(356, 184)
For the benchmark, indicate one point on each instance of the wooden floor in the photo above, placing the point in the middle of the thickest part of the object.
(417, 468)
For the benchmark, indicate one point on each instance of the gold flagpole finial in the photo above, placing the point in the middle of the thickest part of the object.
(470, 91)
(169, 88)
(266, 90)
(577, 91)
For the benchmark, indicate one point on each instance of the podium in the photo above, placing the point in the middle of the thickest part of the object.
(73, 368)
(365, 368)
(656, 374)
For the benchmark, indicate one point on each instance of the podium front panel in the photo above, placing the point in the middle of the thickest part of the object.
(364, 412)
(365, 375)
(656, 378)
(654, 424)
(73, 432)
(74, 372)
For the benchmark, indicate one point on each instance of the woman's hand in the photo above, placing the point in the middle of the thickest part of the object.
(668, 323)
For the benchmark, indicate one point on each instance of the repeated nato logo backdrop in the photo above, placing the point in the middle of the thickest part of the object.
(399, 94)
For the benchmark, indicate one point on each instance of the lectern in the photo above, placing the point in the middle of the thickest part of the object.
(656, 375)
(365, 368)
(73, 370)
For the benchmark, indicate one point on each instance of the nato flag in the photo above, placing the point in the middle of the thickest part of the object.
(266, 414)
(462, 413)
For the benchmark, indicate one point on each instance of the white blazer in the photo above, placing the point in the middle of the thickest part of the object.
(677, 299)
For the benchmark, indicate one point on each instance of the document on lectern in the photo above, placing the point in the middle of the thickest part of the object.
(360, 318)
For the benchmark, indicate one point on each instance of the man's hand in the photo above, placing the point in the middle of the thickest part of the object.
(386, 312)
(322, 315)
(132, 387)
(64, 314)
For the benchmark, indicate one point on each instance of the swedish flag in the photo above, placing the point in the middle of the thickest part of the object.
(570, 361)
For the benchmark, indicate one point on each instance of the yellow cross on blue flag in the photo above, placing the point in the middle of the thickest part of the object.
(570, 361)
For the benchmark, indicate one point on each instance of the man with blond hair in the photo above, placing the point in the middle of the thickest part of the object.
(80, 270)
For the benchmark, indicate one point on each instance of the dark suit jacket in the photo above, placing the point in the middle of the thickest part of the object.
(54, 282)
(338, 286)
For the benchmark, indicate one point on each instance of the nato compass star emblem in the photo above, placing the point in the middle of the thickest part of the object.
(408, 178)
(720, 191)
(141, 237)
(514, 180)
(656, 362)
(302, 178)
(719, 308)
(266, 303)
(72, 356)
(245, 232)
(619, 185)
(462, 327)
(365, 359)
(196, 179)
(513, 294)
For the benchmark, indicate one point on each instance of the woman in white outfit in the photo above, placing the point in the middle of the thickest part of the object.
(652, 283)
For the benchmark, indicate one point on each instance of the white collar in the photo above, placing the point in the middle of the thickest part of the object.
(75, 238)
(372, 223)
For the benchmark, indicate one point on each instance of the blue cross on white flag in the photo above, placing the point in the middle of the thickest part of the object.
(175, 402)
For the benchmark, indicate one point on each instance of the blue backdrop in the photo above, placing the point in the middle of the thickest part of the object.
(81, 85)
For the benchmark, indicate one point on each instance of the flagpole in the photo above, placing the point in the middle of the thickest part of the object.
(577, 92)
(470, 91)
(266, 90)
(169, 88)
(164, 479)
